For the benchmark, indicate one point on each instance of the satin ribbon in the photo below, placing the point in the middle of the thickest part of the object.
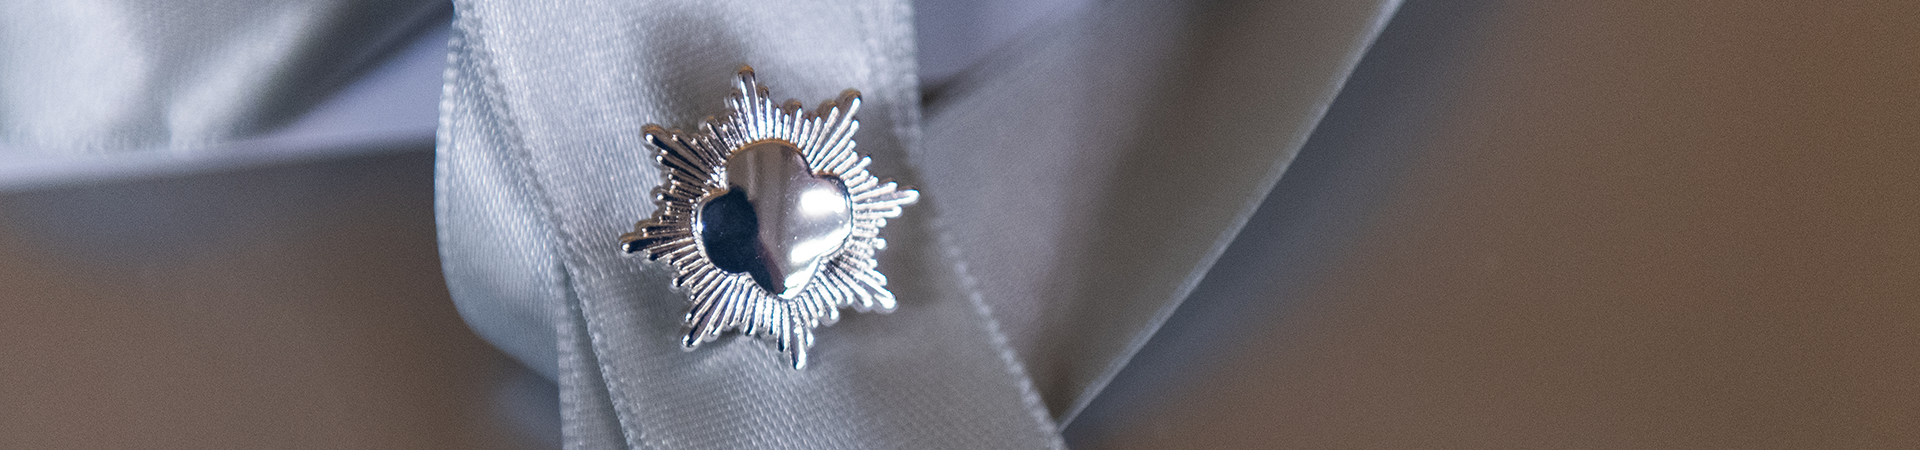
(1144, 133)
(542, 167)
(1075, 190)
(122, 76)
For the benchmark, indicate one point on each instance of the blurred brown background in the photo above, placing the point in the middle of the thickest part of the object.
(1524, 225)
(279, 307)
(1573, 225)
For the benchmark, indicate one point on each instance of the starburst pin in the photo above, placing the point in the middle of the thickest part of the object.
(770, 219)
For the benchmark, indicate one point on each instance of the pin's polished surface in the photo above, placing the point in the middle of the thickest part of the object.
(770, 220)
(791, 220)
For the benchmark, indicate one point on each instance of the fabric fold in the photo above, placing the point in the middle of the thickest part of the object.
(1094, 172)
(111, 76)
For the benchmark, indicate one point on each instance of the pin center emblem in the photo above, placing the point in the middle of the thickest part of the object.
(776, 221)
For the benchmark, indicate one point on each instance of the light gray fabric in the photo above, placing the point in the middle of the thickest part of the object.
(112, 76)
(1091, 177)
(1077, 186)
(542, 167)
(1083, 181)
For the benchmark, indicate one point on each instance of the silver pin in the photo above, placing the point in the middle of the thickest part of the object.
(770, 219)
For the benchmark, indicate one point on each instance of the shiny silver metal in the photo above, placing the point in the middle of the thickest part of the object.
(800, 218)
(770, 219)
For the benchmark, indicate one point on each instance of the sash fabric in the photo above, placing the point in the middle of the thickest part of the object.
(81, 77)
(1093, 176)
(1076, 186)
(543, 166)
